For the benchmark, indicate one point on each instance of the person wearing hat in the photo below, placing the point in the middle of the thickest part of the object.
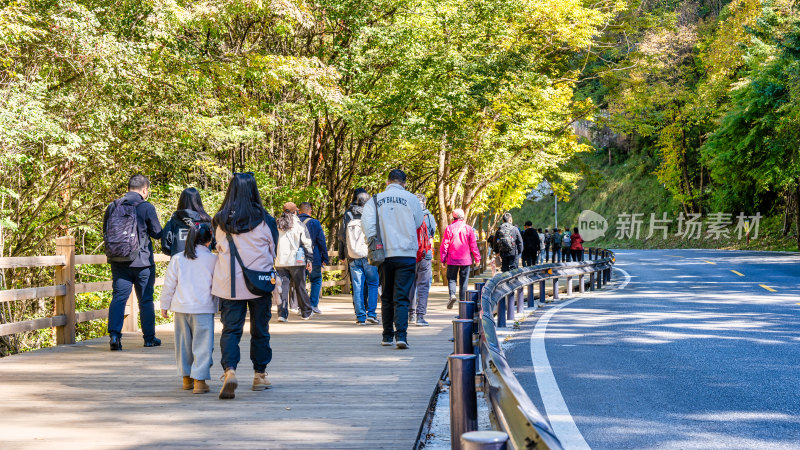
(293, 258)
(459, 250)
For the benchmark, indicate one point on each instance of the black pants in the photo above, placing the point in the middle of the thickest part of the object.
(397, 276)
(453, 275)
(509, 262)
(566, 254)
(529, 259)
(296, 276)
(232, 316)
(142, 280)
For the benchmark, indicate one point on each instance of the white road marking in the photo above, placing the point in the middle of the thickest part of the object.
(555, 408)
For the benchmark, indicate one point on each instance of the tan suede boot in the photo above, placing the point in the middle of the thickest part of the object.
(260, 382)
(200, 387)
(229, 385)
(187, 383)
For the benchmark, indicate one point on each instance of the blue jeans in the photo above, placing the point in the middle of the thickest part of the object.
(232, 316)
(194, 344)
(315, 276)
(142, 280)
(364, 277)
(556, 254)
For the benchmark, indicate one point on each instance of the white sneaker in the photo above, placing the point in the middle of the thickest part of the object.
(282, 319)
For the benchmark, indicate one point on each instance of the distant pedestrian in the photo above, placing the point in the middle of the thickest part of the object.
(364, 277)
(243, 224)
(530, 245)
(128, 225)
(190, 213)
(424, 270)
(541, 246)
(400, 215)
(187, 293)
(459, 250)
(320, 257)
(555, 240)
(294, 255)
(566, 253)
(508, 241)
(576, 245)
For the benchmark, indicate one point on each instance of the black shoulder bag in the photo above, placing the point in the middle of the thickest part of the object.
(257, 282)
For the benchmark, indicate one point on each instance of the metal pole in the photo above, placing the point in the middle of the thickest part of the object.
(466, 310)
(501, 313)
(555, 288)
(462, 336)
(520, 300)
(599, 279)
(556, 197)
(510, 304)
(475, 297)
(581, 283)
(531, 296)
(484, 440)
(591, 281)
(542, 299)
(463, 398)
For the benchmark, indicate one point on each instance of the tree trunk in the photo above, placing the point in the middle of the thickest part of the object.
(797, 212)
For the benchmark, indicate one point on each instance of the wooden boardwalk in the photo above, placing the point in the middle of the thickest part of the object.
(334, 386)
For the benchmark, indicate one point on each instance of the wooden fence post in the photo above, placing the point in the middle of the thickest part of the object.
(65, 304)
(131, 322)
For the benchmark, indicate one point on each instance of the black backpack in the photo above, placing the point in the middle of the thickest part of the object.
(121, 235)
(505, 239)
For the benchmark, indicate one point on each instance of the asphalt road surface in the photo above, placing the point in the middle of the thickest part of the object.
(694, 349)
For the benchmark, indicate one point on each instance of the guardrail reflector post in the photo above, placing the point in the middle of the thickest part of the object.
(484, 440)
(555, 289)
(510, 304)
(462, 336)
(501, 313)
(531, 296)
(463, 398)
(581, 283)
(542, 293)
(569, 286)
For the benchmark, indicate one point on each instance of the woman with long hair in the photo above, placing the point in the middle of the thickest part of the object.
(295, 252)
(190, 212)
(251, 229)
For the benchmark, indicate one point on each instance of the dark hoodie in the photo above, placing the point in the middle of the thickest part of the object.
(353, 212)
(173, 241)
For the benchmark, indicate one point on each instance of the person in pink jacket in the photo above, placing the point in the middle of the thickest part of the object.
(459, 250)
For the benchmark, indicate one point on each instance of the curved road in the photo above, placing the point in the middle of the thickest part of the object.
(699, 349)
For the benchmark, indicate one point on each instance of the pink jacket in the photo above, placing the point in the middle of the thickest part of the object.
(458, 241)
(258, 253)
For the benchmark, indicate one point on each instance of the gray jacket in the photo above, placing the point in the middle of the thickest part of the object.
(400, 216)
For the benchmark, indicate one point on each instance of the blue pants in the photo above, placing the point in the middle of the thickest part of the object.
(397, 276)
(232, 316)
(556, 255)
(142, 280)
(364, 279)
(315, 277)
(194, 344)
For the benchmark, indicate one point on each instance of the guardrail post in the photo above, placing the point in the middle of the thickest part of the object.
(591, 281)
(542, 293)
(501, 313)
(463, 398)
(65, 304)
(484, 440)
(521, 300)
(599, 279)
(462, 337)
(590, 254)
(581, 283)
(569, 287)
(475, 297)
(466, 309)
(531, 296)
(510, 304)
(555, 289)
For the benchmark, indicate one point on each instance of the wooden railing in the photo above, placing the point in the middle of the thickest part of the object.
(65, 318)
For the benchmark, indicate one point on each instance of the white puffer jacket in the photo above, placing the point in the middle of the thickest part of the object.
(288, 243)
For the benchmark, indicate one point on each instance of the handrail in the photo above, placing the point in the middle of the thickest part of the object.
(514, 411)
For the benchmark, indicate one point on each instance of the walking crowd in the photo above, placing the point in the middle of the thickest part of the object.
(245, 260)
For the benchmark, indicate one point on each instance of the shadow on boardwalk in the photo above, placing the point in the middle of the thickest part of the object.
(334, 386)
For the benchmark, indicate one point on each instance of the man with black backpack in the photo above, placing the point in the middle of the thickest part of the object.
(128, 225)
(508, 242)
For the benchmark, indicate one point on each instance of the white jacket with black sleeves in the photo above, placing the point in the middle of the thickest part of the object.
(187, 283)
(400, 216)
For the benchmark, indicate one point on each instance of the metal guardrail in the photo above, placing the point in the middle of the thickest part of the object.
(513, 411)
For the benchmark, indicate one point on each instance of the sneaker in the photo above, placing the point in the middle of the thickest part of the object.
(188, 383)
(295, 310)
(155, 342)
(452, 302)
(358, 322)
(402, 345)
(200, 387)
(260, 381)
(229, 385)
(412, 318)
(309, 316)
(421, 322)
(373, 320)
(282, 319)
(387, 342)
(316, 310)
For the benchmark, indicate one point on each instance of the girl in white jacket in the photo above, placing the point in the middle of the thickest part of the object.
(187, 292)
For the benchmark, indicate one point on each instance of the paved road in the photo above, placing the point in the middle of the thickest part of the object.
(689, 354)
